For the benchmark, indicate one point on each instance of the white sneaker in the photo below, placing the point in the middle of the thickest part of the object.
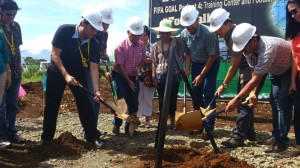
(4, 143)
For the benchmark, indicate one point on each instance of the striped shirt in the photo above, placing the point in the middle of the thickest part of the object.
(129, 55)
(273, 56)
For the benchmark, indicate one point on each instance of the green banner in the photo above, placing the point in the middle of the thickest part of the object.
(231, 91)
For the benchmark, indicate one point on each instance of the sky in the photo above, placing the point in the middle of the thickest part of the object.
(39, 19)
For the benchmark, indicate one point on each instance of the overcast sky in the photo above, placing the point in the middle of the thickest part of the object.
(39, 19)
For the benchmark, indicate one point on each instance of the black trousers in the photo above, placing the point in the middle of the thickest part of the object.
(55, 87)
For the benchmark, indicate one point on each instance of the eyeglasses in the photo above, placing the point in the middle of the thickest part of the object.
(10, 14)
(294, 11)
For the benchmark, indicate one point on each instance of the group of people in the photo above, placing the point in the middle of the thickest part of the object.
(77, 50)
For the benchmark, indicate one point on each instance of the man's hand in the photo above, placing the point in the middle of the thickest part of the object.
(104, 57)
(71, 80)
(197, 81)
(98, 97)
(220, 90)
(108, 76)
(8, 79)
(251, 100)
(232, 104)
(131, 85)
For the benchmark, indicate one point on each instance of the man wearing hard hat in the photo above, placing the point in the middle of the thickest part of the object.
(267, 55)
(222, 25)
(74, 50)
(202, 51)
(101, 37)
(130, 55)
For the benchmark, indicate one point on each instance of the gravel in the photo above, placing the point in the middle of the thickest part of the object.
(118, 150)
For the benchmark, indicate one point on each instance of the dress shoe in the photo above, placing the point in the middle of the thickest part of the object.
(99, 144)
(267, 142)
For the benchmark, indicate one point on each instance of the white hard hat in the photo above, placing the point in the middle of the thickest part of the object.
(135, 25)
(93, 16)
(188, 16)
(106, 13)
(217, 18)
(241, 36)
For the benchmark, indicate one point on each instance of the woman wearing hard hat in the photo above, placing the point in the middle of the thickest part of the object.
(293, 33)
(270, 55)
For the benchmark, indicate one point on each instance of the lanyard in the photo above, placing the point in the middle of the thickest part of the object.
(83, 59)
(11, 45)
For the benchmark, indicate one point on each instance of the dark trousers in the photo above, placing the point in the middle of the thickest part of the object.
(282, 103)
(124, 91)
(173, 97)
(245, 119)
(297, 113)
(205, 92)
(55, 88)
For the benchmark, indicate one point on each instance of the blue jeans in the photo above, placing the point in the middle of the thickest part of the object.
(124, 91)
(205, 92)
(9, 109)
(281, 103)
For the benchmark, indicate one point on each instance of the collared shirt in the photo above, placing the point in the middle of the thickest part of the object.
(4, 54)
(129, 55)
(244, 69)
(273, 56)
(66, 39)
(15, 60)
(202, 45)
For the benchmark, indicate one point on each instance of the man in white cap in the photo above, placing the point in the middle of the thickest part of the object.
(202, 51)
(221, 24)
(101, 37)
(130, 55)
(74, 50)
(267, 55)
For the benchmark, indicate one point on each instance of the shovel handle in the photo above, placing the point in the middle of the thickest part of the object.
(213, 114)
(101, 101)
(212, 100)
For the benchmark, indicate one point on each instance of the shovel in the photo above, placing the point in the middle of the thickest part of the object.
(118, 112)
(118, 103)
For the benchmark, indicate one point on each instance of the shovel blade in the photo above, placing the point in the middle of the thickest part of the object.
(119, 105)
(188, 121)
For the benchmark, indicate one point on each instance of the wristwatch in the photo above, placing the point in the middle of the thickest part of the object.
(225, 85)
(238, 98)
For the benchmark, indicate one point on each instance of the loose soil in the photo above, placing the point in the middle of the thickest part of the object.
(67, 145)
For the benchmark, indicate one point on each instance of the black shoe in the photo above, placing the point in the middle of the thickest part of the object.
(233, 143)
(99, 144)
(116, 129)
(100, 134)
(16, 139)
